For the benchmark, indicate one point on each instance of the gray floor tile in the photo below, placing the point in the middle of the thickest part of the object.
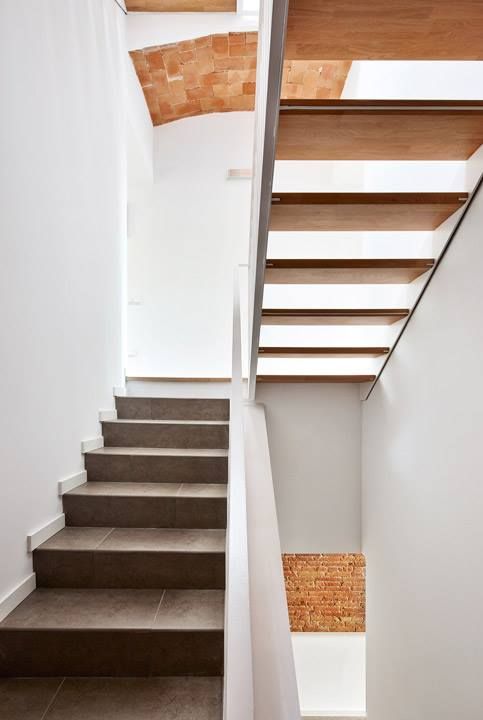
(138, 699)
(26, 698)
(165, 539)
(191, 610)
(85, 608)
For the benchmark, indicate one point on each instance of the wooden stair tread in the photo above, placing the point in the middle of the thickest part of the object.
(350, 271)
(378, 30)
(379, 130)
(332, 316)
(315, 378)
(363, 211)
(333, 352)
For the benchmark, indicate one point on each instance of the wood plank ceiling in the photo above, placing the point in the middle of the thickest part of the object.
(181, 5)
(382, 30)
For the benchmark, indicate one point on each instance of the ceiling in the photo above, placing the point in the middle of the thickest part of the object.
(181, 5)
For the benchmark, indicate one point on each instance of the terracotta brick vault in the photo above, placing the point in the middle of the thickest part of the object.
(325, 593)
(217, 73)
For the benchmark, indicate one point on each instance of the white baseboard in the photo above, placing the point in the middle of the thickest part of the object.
(72, 482)
(119, 391)
(330, 716)
(107, 415)
(10, 601)
(92, 444)
(39, 536)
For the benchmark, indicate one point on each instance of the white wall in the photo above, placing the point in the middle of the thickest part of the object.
(148, 29)
(181, 272)
(314, 438)
(423, 502)
(62, 227)
(417, 79)
(331, 675)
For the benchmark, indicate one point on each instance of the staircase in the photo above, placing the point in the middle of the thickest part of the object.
(333, 303)
(133, 586)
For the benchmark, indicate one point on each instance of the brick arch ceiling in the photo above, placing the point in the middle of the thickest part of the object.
(216, 73)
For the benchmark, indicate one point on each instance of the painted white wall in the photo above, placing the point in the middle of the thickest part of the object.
(416, 79)
(331, 673)
(369, 176)
(62, 224)
(314, 438)
(181, 270)
(423, 502)
(148, 29)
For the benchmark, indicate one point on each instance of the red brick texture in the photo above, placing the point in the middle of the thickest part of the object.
(325, 593)
(217, 73)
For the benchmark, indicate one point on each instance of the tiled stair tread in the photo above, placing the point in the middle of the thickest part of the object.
(175, 452)
(180, 698)
(139, 421)
(119, 610)
(173, 408)
(138, 489)
(136, 540)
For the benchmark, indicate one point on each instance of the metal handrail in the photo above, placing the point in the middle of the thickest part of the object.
(263, 167)
(431, 274)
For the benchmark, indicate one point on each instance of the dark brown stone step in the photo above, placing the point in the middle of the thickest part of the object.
(146, 505)
(163, 433)
(144, 408)
(94, 557)
(157, 465)
(111, 698)
(71, 632)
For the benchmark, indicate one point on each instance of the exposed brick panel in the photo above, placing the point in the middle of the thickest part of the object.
(325, 593)
(217, 73)
(314, 79)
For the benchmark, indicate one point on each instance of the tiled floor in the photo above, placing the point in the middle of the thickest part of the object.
(183, 698)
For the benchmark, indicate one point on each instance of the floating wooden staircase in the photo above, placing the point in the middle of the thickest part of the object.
(360, 271)
(332, 316)
(379, 129)
(363, 211)
(133, 586)
(324, 317)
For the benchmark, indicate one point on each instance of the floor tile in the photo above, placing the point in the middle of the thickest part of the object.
(191, 610)
(77, 538)
(165, 539)
(127, 489)
(26, 698)
(203, 490)
(85, 608)
(181, 698)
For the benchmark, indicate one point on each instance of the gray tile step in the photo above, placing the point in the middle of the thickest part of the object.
(114, 632)
(94, 557)
(169, 698)
(146, 505)
(164, 433)
(134, 464)
(173, 408)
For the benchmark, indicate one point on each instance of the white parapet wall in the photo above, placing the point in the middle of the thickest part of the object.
(331, 674)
